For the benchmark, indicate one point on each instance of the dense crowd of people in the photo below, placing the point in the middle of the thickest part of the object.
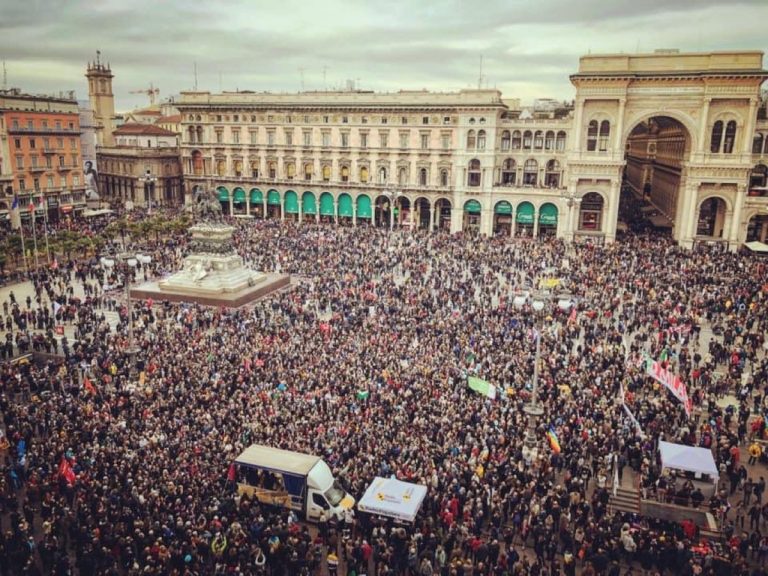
(117, 464)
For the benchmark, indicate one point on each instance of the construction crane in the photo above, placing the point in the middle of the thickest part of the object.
(152, 92)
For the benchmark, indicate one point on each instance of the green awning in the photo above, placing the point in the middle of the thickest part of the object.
(238, 196)
(548, 215)
(503, 207)
(257, 197)
(525, 213)
(364, 207)
(291, 202)
(308, 204)
(326, 205)
(345, 205)
(473, 207)
(273, 198)
(223, 194)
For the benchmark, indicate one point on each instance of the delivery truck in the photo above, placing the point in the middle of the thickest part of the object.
(293, 480)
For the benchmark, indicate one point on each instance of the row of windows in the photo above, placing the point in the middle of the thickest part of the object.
(48, 144)
(196, 136)
(509, 170)
(326, 119)
(50, 182)
(760, 144)
(45, 161)
(326, 170)
(43, 124)
(520, 140)
(723, 137)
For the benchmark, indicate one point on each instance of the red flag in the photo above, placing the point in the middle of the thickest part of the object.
(88, 385)
(55, 264)
(60, 330)
(572, 317)
(31, 204)
(66, 472)
(150, 302)
(231, 473)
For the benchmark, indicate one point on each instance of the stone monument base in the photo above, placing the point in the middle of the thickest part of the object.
(268, 284)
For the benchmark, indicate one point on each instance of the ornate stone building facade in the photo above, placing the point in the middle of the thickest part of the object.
(677, 129)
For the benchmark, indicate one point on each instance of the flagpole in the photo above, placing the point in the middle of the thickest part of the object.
(34, 232)
(45, 221)
(23, 248)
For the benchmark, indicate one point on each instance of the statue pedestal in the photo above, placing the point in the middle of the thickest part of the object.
(213, 274)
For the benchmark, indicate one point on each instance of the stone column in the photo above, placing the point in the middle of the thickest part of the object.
(486, 222)
(264, 206)
(247, 206)
(609, 225)
(335, 211)
(578, 119)
(617, 150)
(354, 214)
(703, 126)
(536, 223)
(432, 211)
(738, 211)
(749, 128)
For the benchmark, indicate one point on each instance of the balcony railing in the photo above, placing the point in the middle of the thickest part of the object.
(27, 130)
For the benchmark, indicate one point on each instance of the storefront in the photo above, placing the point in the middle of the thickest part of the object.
(291, 205)
(257, 203)
(524, 220)
(345, 209)
(273, 204)
(502, 218)
(547, 220)
(223, 195)
(472, 216)
(364, 212)
(327, 212)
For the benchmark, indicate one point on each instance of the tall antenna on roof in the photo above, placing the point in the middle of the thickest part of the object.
(480, 76)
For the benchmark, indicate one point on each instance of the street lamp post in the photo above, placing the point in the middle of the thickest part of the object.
(534, 409)
(126, 263)
(393, 194)
(149, 185)
(571, 200)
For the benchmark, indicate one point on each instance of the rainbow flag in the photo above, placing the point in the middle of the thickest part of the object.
(554, 441)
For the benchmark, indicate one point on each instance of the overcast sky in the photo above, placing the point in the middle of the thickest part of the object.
(529, 47)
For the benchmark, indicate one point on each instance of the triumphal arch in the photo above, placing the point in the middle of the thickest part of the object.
(674, 129)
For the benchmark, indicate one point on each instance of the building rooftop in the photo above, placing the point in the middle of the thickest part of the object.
(671, 62)
(135, 129)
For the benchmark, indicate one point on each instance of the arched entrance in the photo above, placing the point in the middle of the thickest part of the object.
(757, 228)
(502, 218)
(403, 212)
(291, 205)
(524, 220)
(364, 210)
(257, 203)
(443, 214)
(423, 215)
(238, 201)
(381, 212)
(327, 210)
(345, 209)
(273, 204)
(223, 195)
(591, 209)
(472, 215)
(547, 220)
(711, 220)
(308, 205)
(655, 152)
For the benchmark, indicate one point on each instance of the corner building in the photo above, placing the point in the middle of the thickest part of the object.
(680, 130)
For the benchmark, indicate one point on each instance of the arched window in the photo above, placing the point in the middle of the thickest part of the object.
(272, 169)
(757, 144)
(471, 140)
(308, 171)
(560, 142)
(345, 173)
(422, 176)
(473, 174)
(508, 172)
(326, 172)
(552, 176)
(199, 134)
(481, 140)
(517, 140)
(443, 177)
(382, 175)
(290, 170)
(255, 168)
(591, 212)
(717, 137)
(221, 167)
(530, 172)
(238, 168)
(730, 137)
(364, 174)
(505, 141)
(605, 134)
(527, 140)
(191, 134)
(197, 163)
(402, 176)
(538, 140)
(592, 136)
(759, 178)
(549, 140)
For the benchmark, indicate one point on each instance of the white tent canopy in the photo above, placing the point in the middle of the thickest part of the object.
(688, 458)
(760, 247)
(393, 498)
